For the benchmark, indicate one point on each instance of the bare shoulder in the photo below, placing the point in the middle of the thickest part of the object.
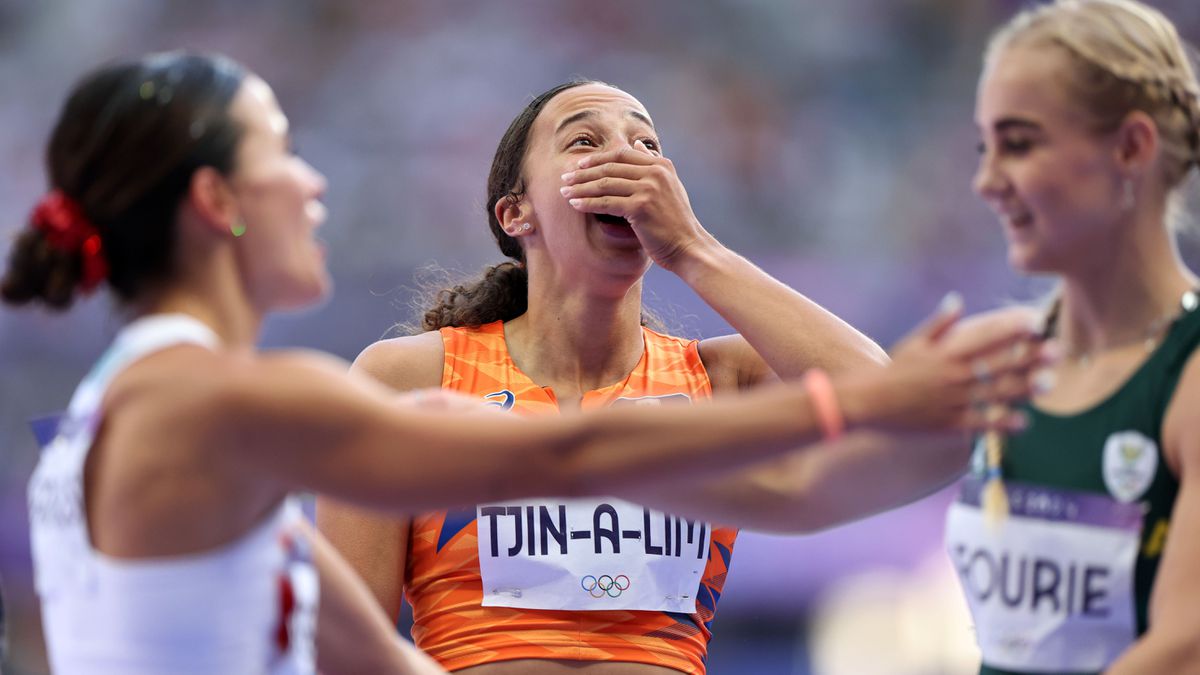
(209, 383)
(411, 362)
(1181, 428)
(182, 392)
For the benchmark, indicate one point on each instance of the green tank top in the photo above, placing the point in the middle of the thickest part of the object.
(1073, 453)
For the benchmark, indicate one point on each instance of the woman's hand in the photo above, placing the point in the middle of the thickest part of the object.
(951, 375)
(643, 188)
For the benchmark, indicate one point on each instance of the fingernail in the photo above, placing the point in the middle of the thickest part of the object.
(583, 163)
(574, 202)
(568, 176)
(564, 190)
(1044, 381)
(951, 302)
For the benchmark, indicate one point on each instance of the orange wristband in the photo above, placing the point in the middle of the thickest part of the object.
(825, 403)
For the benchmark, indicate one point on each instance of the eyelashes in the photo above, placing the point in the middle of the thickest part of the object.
(1008, 146)
(584, 140)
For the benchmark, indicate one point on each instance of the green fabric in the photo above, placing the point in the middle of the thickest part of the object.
(1067, 451)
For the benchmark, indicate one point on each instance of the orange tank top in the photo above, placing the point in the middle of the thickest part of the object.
(444, 585)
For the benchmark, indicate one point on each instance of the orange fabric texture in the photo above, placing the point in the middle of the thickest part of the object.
(444, 586)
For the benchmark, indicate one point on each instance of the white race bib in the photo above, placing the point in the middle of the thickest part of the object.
(589, 554)
(1050, 589)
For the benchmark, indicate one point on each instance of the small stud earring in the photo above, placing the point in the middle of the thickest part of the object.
(526, 227)
(238, 227)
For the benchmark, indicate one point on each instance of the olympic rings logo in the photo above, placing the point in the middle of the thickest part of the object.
(613, 587)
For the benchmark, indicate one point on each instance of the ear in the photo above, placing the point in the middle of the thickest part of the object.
(210, 197)
(512, 214)
(1137, 143)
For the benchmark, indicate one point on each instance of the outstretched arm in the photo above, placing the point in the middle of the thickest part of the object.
(304, 422)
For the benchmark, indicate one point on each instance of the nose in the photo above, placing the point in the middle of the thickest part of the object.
(988, 181)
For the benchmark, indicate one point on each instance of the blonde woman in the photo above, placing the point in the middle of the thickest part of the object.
(1091, 131)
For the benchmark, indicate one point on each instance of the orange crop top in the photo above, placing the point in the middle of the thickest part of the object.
(443, 582)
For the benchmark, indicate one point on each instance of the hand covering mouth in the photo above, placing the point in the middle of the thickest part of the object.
(610, 219)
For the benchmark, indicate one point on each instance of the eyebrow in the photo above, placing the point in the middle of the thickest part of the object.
(1009, 123)
(586, 114)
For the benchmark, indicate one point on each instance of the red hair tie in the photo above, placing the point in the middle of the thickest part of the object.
(66, 229)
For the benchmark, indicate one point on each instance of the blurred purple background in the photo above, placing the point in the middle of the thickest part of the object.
(832, 143)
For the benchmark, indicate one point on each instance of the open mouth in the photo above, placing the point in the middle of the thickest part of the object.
(610, 219)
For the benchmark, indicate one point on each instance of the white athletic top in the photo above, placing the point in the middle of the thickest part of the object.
(248, 607)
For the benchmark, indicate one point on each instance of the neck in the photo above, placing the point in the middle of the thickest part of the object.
(1123, 290)
(214, 296)
(569, 337)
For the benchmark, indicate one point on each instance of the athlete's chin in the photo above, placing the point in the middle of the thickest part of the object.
(1029, 260)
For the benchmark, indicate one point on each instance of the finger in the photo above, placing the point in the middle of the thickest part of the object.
(1022, 358)
(994, 420)
(622, 155)
(608, 204)
(994, 345)
(641, 147)
(982, 334)
(617, 187)
(949, 311)
(616, 170)
(1011, 388)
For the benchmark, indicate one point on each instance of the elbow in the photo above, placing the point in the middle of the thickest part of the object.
(874, 355)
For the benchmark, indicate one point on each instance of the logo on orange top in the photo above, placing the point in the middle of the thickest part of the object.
(605, 585)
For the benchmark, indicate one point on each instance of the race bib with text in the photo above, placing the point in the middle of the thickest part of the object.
(589, 554)
(1051, 588)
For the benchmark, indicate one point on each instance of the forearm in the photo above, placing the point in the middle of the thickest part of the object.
(822, 486)
(789, 331)
(637, 446)
(471, 458)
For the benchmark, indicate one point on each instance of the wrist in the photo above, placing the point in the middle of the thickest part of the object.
(697, 258)
(854, 395)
